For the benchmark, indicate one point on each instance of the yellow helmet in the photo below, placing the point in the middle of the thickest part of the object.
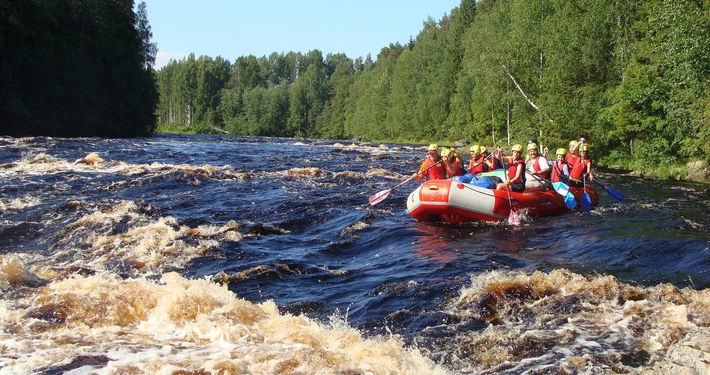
(532, 146)
(572, 144)
(483, 149)
(476, 149)
(445, 153)
(517, 147)
(561, 151)
(434, 147)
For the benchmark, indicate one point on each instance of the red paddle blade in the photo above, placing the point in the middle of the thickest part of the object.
(513, 218)
(379, 197)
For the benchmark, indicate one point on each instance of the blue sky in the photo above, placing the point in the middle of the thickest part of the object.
(238, 28)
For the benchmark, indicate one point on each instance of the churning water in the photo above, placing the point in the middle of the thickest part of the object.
(202, 254)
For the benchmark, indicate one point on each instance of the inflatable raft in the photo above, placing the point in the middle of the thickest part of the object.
(454, 202)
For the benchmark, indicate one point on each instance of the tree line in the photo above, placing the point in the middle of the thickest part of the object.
(632, 76)
(76, 68)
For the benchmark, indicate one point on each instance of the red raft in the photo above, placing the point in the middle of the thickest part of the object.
(456, 202)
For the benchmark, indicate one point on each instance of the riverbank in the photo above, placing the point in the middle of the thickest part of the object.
(696, 170)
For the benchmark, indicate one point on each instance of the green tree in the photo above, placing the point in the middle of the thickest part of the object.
(75, 68)
(660, 108)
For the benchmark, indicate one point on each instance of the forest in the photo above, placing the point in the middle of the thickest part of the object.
(631, 76)
(76, 68)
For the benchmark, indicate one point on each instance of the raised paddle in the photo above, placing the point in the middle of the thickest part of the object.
(613, 193)
(482, 161)
(512, 216)
(382, 195)
(586, 203)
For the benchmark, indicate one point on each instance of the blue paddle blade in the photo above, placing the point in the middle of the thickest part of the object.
(615, 194)
(570, 201)
(561, 188)
(586, 204)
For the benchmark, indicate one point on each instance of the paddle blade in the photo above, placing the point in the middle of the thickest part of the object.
(615, 194)
(561, 188)
(586, 204)
(379, 197)
(570, 201)
(513, 218)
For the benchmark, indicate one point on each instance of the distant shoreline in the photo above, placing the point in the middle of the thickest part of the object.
(695, 170)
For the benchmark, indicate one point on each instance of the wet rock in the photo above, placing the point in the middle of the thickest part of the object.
(52, 313)
(78, 362)
(71, 205)
(261, 229)
(91, 159)
(461, 142)
(42, 158)
(220, 278)
(688, 356)
(696, 166)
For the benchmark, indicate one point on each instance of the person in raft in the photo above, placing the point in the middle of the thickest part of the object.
(457, 159)
(476, 165)
(492, 163)
(537, 166)
(560, 169)
(516, 170)
(582, 170)
(433, 160)
(572, 158)
(452, 149)
(451, 164)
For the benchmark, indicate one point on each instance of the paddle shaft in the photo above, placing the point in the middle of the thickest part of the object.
(483, 161)
(418, 173)
(382, 195)
(613, 193)
(507, 188)
(585, 195)
(584, 179)
(415, 175)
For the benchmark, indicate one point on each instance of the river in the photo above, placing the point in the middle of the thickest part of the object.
(182, 254)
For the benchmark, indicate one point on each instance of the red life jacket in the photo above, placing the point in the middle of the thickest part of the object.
(458, 166)
(557, 171)
(512, 168)
(495, 164)
(537, 168)
(478, 166)
(435, 173)
(455, 170)
(572, 160)
(579, 169)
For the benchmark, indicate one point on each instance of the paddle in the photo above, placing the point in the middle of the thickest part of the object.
(563, 189)
(482, 161)
(613, 193)
(512, 217)
(382, 195)
(586, 204)
(560, 188)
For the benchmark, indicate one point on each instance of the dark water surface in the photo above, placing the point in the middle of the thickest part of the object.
(262, 255)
